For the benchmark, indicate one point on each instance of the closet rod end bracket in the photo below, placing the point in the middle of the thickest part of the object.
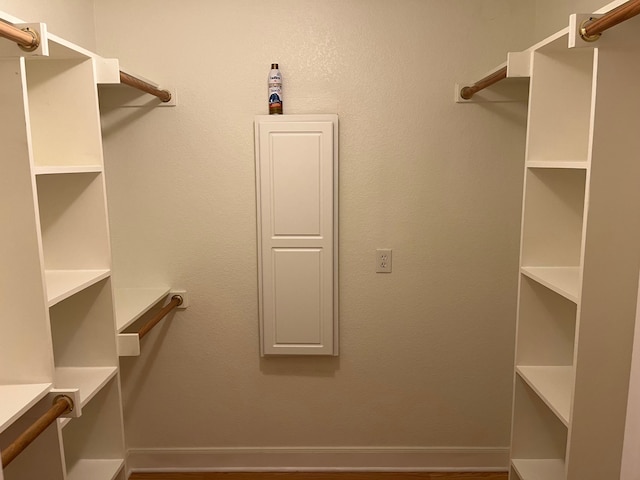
(183, 298)
(578, 36)
(72, 395)
(583, 31)
(35, 43)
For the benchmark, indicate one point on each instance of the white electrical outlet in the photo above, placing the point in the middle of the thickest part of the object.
(383, 260)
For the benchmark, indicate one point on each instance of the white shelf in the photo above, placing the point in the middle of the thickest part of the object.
(553, 385)
(88, 379)
(547, 469)
(578, 165)
(58, 170)
(564, 281)
(95, 469)
(62, 284)
(17, 399)
(132, 303)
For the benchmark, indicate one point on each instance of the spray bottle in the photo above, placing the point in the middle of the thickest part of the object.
(275, 90)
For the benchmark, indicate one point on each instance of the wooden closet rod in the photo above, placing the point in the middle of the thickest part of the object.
(61, 404)
(127, 79)
(26, 39)
(176, 301)
(468, 92)
(591, 30)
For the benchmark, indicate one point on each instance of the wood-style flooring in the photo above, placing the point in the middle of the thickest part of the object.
(319, 476)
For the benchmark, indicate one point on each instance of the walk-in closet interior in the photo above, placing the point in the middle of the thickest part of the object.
(428, 262)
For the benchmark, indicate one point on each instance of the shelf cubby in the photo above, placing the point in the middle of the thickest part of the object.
(73, 220)
(93, 443)
(546, 326)
(84, 345)
(560, 104)
(539, 439)
(63, 106)
(75, 237)
(553, 217)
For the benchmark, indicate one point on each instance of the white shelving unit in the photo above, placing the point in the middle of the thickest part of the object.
(61, 316)
(579, 258)
(58, 324)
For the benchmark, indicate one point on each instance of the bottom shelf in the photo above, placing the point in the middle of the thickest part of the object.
(547, 469)
(95, 469)
(94, 442)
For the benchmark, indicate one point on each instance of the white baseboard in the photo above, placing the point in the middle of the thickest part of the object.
(318, 459)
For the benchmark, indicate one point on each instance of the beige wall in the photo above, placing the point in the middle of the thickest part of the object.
(426, 352)
(69, 19)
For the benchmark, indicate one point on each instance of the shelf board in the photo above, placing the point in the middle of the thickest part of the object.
(132, 303)
(95, 469)
(553, 385)
(17, 399)
(61, 48)
(547, 469)
(62, 284)
(88, 379)
(67, 169)
(581, 165)
(564, 281)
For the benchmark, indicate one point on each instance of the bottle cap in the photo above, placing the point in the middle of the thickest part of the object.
(274, 65)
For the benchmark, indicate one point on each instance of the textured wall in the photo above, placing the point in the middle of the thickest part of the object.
(69, 19)
(426, 352)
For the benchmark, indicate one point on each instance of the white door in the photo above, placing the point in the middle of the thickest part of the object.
(296, 166)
